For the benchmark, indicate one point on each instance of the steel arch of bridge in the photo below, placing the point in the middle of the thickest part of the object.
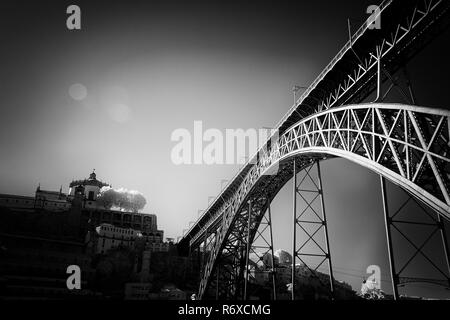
(409, 145)
(407, 25)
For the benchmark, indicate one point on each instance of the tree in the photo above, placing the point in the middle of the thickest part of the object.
(370, 290)
(107, 197)
(123, 199)
(137, 202)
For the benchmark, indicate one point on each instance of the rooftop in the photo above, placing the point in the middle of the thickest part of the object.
(91, 181)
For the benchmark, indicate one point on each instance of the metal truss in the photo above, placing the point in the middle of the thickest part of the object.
(260, 257)
(431, 225)
(418, 14)
(233, 263)
(351, 75)
(309, 222)
(409, 145)
(229, 251)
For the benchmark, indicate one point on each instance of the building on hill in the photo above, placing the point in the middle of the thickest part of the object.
(38, 247)
(88, 191)
(41, 236)
(109, 236)
(89, 187)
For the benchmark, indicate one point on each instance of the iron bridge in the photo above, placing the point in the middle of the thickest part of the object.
(407, 144)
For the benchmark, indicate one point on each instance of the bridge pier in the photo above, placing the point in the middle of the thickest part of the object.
(253, 236)
(325, 228)
(294, 223)
(388, 221)
(310, 222)
(273, 267)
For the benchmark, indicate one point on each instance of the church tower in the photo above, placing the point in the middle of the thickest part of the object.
(89, 188)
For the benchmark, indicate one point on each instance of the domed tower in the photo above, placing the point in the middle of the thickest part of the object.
(90, 187)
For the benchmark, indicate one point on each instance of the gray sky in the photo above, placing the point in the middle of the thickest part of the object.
(152, 67)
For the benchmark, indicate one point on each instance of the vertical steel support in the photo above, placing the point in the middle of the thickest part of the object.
(274, 285)
(327, 242)
(294, 240)
(247, 258)
(444, 244)
(387, 221)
